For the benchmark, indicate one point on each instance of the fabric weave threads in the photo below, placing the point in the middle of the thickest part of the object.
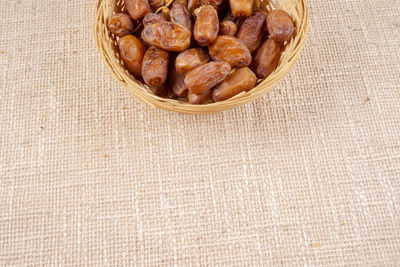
(308, 175)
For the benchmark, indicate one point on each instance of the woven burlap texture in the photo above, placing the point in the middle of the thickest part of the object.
(308, 175)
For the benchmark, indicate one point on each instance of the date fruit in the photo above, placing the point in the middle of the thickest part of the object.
(180, 14)
(177, 82)
(230, 49)
(166, 35)
(206, 26)
(205, 77)
(132, 51)
(155, 66)
(280, 25)
(252, 29)
(227, 27)
(152, 18)
(241, 8)
(267, 58)
(161, 90)
(241, 80)
(199, 98)
(121, 24)
(191, 59)
(137, 9)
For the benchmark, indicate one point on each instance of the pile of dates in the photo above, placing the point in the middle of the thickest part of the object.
(204, 50)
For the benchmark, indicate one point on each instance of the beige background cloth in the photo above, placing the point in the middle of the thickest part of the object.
(308, 175)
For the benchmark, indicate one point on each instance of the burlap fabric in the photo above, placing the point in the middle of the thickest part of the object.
(308, 175)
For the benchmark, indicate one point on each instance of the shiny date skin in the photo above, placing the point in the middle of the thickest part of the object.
(191, 59)
(166, 35)
(239, 81)
(175, 80)
(241, 8)
(121, 24)
(252, 29)
(205, 77)
(155, 66)
(137, 9)
(197, 99)
(230, 49)
(152, 18)
(267, 58)
(180, 14)
(206, 26)
(280, 25)
(132, 52)
(227, 27)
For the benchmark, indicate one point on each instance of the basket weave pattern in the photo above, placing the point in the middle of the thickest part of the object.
(107, 45)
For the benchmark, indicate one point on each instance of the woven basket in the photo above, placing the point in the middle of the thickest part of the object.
(109, 51)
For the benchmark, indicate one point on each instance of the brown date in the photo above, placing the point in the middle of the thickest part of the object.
(177, 82)
(280, 25)
(166, 35)
(230, 49)
(252, 29)
(162, 90)
(206, 26)
(193, 4)
(267, 58)
(137, 9)
(156, 4)
(199, 98)
(180, 14)
(227, 27)
(191, 59)
(241, 80)
(121, 24)
(205, 77)
(241, 8)
(152, 18)
(132, 51)
(155, 66)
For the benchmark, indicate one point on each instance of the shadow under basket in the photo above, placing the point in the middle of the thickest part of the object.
(107, 45)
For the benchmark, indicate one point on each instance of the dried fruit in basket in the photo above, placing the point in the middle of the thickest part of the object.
(241, 80)
(121, 24)
(267, 58)
(169, 36)
(152, 18)
(227, 27)
(180, 14)
(280, 25)
(132, 51)
(205, 77)
(155, 66)
(176, 81)
(137, 9)
(252, 29)
(241, 8)
(230, 49)
(191, 59)
(206, 26)
(162, 90)
(199, 98)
